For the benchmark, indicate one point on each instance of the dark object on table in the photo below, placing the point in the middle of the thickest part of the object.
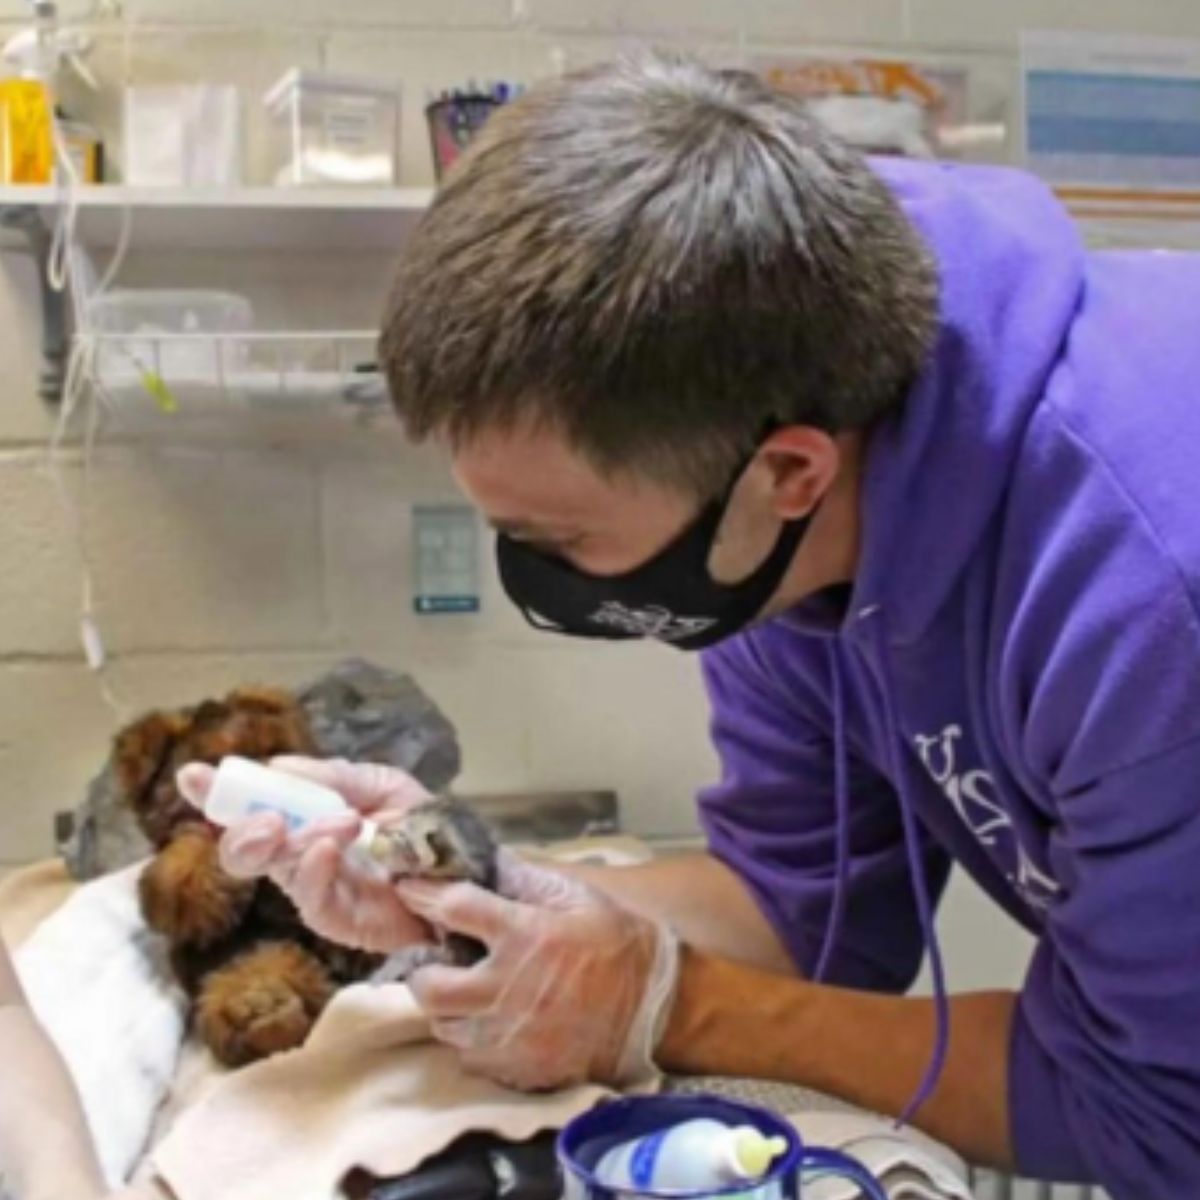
(481, 1167)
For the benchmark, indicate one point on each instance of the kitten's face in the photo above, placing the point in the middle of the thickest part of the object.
(442, 839)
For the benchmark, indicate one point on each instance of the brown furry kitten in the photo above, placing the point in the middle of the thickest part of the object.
(258, 977)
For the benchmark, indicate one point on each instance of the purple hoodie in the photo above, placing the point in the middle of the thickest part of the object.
(1017, 672)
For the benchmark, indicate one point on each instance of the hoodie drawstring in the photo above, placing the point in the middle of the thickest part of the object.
(912, 849)
(912, 846)
(841, 791)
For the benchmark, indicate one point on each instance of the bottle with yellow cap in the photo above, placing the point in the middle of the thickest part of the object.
(692, 1156)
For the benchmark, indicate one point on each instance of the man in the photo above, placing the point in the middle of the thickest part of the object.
(917, 473)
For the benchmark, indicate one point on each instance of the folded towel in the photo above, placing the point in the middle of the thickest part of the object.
(96, 979)
(369, 1089)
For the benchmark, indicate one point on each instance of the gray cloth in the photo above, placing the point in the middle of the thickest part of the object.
(357, 710)
(367, 713)
(101, 835)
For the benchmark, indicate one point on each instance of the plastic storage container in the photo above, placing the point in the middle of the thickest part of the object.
(334, 129)
(139, 336)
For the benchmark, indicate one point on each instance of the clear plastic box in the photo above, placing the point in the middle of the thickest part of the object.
(174, 335)
(334, 129)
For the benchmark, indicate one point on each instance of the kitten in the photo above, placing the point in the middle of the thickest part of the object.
(441, 839)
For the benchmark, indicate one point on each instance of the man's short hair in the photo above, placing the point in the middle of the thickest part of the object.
(656, 259)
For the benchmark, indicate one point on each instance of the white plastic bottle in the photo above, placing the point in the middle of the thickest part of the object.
(692, 1156)
(242, 787)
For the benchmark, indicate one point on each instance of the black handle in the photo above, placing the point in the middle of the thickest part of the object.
(481, 1167)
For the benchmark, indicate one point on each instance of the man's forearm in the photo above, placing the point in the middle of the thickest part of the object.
(705, 902)
(741, 1010)
(870, 1049)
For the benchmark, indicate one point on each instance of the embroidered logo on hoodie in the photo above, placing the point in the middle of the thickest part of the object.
(973, 795)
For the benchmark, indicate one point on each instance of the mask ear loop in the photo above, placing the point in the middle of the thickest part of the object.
(769, 426)
(720, 505)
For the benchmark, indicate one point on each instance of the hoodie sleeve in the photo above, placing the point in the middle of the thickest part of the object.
(1105, 1064)
(773, 819)
(1100, 693)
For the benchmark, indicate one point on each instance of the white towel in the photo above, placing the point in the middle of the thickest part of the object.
(368, 1090)
(96, 979)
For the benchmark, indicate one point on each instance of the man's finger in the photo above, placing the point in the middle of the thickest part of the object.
(461, 908)
(453, 992)
(531, 883)
(251, 847)
(315, 877)
(341, 829)
(194, 782)
(454, 1031)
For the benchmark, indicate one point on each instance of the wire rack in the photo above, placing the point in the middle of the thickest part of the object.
(172, 373)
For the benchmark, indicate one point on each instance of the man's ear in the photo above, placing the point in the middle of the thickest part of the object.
(802, 462)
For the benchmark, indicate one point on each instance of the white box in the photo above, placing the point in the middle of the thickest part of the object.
(183, 136)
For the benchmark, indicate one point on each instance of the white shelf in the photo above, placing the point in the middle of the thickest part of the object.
(240, 218)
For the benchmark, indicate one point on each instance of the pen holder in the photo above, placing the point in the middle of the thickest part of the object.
(453, 122)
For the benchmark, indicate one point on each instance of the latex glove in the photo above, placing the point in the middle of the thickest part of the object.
(573, 988)
(333, 898)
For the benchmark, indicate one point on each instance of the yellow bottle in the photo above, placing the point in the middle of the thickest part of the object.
(26, 136)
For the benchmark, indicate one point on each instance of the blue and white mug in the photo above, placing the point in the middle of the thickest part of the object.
(589, 1137)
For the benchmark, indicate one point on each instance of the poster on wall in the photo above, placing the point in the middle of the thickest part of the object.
(882, 106)
(1113, 124)
(445, 543)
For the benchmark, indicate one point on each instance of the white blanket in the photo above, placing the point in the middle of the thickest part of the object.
(96, 979)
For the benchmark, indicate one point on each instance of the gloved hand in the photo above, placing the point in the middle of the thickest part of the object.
(334, 899)
(573, 988)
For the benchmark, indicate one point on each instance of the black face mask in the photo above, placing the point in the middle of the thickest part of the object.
(672, 597)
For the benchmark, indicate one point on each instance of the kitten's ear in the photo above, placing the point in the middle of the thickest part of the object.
(141, 751)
